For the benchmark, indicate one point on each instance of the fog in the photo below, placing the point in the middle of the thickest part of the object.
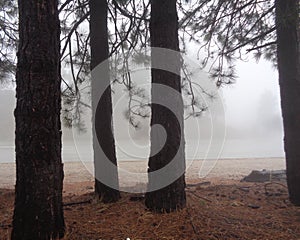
(253, 123)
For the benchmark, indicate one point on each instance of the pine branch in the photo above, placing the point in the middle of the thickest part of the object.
(73, 29)
(261, 46)
(128, 15)
(250, 40)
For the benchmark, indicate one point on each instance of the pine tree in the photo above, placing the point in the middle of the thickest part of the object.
(288, 55)
(164, 34)
(38, 212)
(102, 115)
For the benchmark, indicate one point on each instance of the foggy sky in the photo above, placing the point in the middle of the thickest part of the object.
(252, 107)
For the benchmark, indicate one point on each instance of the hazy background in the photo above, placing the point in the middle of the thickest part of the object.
(253, 123)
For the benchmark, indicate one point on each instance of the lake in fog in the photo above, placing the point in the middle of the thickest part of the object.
(246, 148)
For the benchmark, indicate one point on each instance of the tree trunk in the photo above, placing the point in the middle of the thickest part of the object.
(164, 34)
(38, 212)
(288, 52)
(102, 115)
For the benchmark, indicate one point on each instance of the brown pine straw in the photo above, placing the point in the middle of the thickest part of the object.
(220, 210)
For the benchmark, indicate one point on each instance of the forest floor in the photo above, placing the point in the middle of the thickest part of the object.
(216, 209)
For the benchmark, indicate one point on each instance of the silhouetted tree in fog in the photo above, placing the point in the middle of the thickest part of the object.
(102, 117)
(164, 34)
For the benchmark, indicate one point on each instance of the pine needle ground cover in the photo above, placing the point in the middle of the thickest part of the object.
(217, 209)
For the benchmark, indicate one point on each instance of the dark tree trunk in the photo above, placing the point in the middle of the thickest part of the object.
(38, 212)
(164, 34)
(288, 52)
(103, 108)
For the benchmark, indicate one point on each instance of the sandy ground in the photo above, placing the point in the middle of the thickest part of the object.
(133, 173)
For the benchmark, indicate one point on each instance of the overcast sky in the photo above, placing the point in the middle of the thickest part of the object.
(252, 112)
(253, 119)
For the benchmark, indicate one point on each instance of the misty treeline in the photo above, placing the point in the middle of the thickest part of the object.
(222, 31)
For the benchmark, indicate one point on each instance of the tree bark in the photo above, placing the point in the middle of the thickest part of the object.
(103, 109)
(164, 34)
(38, 212)
(288, 53)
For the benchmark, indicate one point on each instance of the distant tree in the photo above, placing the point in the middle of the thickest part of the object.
(102, 117)
(38, 212)
(164, 34)
(288, 55)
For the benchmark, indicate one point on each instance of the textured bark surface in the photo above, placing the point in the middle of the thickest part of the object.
(38, 210)
(103, 114)
(288, 51)
(164, 34)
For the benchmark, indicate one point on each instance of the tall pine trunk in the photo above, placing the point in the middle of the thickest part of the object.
(288, 52)
(164, 34)
(102, 115)
(38, 212)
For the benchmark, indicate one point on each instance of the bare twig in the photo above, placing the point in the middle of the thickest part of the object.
(76, 203)
(198, 196)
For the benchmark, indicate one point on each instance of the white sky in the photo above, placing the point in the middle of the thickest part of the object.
(252, 107)
(245, 98)
(253, 118)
